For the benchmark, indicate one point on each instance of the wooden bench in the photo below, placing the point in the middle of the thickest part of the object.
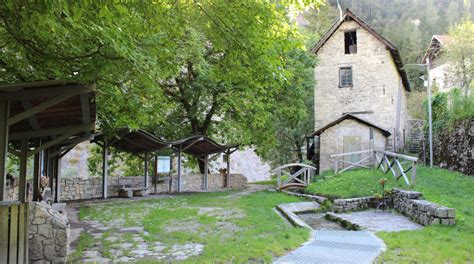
(129, 192)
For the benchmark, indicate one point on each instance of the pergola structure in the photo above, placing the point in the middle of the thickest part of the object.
(43, 119)
(139, 142)
(201, 147)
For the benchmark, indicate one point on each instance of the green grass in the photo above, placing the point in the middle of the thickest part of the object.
(85, 242)
(249, 232)
(433, 244)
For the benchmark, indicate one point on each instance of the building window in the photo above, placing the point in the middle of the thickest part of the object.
(350, 42)
(345, 77)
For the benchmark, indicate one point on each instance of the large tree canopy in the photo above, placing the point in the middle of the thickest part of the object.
(218, 68)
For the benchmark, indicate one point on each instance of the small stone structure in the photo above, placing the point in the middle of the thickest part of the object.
(409, 203)
(47, 235)
(423, 212)
(316, 198)
(89, 188)
(354, 204)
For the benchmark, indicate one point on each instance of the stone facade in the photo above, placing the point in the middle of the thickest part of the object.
(376, 81)
(332, 140)
(89, 188)
(47, 235)
(422, 211)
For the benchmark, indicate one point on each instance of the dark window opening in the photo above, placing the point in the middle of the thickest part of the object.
(350, 42)
(345, 77)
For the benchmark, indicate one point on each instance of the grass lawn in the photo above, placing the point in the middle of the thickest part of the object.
(433, 244)
(232, 226)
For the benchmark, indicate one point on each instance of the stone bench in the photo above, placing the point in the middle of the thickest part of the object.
(129, 192)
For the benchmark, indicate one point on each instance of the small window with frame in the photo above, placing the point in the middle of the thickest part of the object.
(350, 42)
(345, 77)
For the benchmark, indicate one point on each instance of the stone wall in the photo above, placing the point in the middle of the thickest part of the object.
(89, 188)
(423, 212)
(376, 88)
(453, 148)
(332, 141)
(354, 204)
(409, 203)
(48, 235)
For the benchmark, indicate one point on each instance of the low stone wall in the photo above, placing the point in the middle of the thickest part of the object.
(48, 235)
(89, 188)
(423, 212)
(354, 204)
(316, 198)
(409, 203)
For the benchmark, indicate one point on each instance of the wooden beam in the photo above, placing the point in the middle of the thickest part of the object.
(32, 94)
(206, 171)
(146, 171)
(105, 170)
(57, 182)
(192, 143)
(85, 108)
(179, 168)
(41, 107)
(155, 174)
(22, 191)
(4, 113)
(228, 183)
(37, 173)
(51, 143)
(32, 120)
(71, 144)
(52, 131)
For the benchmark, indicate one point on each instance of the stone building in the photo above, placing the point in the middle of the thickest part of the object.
(439, 66)
(359, 74)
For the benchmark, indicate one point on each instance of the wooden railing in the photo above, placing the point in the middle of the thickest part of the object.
(300, 178)
(385, 160)
(13, 232)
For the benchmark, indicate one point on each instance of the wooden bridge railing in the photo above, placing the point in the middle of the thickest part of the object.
(385, 160)
(300, 178)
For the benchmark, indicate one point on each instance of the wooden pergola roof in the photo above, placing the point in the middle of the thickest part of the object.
(200, 146)
(57, 112)
(134, 141)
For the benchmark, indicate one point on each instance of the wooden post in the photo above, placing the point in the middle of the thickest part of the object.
(228, 169)
(146, 171)
(57, 179)
(413, 173)
(23, 163)
(105, 169)
(335, 164)
(279, 179)
(37, 173)
(4, 115)
(179, 169)
(206, 169)
(51, 172)
(155, 174)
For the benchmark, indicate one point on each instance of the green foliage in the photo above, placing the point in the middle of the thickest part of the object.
(460, 53)
(256, 232)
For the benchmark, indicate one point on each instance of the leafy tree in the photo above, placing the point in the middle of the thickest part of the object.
(461, 54)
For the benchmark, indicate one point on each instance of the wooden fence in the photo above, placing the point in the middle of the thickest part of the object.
(13, 232)
(399, 165)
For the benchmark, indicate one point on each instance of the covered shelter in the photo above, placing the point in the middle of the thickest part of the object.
(138, 142)
(44, 119)
(201, 147)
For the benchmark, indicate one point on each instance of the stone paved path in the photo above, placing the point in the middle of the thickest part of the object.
(337, 247)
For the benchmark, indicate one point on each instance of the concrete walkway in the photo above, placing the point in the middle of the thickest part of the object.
(336, 247)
